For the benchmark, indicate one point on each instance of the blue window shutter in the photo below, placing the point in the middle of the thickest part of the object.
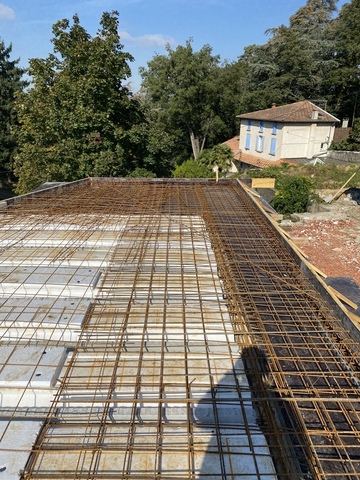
(259, 143)
(273, 146)
(274, 130)
(247, 141)
(249, 125)
(261, 129)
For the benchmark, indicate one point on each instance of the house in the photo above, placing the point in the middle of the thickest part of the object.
(287, 133)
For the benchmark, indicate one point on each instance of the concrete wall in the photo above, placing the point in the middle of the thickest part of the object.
(292, 140)
(266, 133)
(306, 140)
(341, 156)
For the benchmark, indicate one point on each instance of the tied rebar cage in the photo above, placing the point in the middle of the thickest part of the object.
(181, 338)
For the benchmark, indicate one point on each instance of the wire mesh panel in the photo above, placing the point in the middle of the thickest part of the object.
(198, 347)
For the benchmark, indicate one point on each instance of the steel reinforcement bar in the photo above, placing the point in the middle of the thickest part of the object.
(301, 363)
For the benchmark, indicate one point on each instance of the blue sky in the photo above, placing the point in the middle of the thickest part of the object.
(147, 25)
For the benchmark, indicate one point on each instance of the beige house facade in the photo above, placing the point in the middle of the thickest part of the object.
(301, 130)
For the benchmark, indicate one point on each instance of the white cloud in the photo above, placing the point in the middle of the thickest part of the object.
(147, 40)
(6, 12)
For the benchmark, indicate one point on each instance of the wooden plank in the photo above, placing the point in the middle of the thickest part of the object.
(353, 317)
(342, 189)
(315, 269)
(263, 183)
(276, 216)
(343, 298)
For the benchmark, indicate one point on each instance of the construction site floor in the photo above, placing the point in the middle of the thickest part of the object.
(204, 351)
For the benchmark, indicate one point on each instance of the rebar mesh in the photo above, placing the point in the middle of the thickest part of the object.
(204, 353)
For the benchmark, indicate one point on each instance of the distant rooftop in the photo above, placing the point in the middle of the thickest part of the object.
(298, 112)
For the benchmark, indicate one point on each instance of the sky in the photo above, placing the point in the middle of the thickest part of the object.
(146, 26)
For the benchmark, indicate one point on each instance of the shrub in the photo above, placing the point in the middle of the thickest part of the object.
(293, 195)
(192, 169)
(141, 173)
(279, 172)
(352, 143)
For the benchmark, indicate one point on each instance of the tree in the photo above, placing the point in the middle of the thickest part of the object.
(343, 83)
(232, 88)
(141, 173)
(77, 117)
(219, 156)
(292, 65)
(181, 86)
(158, 144)
(352, 143)
(192, 169)
(10, 84)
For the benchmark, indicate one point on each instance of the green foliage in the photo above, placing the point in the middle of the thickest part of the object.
(141, 173)
(192, 169)
(220, 156)
(330, 176)
(78, 118)
(182, 87)
(342, 84)
(294, 195)
(292, 65)
(279, 172)
(352, 143)
(232, 90)
(10, 85)
(327, 176)
(159, 146)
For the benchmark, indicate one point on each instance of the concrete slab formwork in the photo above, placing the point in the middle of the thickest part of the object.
(182, 340)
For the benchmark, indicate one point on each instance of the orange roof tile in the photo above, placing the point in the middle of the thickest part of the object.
(233, 144)
(262, 162)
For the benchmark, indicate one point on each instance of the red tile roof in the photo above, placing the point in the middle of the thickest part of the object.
(233, 144)
(341, 134)
(262, 162)
(240, 156)
(299, 112)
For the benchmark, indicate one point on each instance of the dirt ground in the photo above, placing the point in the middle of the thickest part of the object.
(331, 237)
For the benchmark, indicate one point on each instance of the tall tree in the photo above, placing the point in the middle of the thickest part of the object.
(291, 66)
(10, 84)
(232, 88)
(181, 86)
(77, 118)
(343, 82)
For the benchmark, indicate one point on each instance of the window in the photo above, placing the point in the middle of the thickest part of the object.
(274, 129)
(247, 141)
(249, 125)
(273, 146)
(260, 140)
(261, 128)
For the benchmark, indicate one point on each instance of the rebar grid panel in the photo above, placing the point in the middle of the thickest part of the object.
(44, 298)
(50, 267)
(314, 363)
(155, 388)
(149, 384)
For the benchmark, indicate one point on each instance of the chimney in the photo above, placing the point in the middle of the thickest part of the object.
(345, 123)
(273, 105)
(315, 115)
